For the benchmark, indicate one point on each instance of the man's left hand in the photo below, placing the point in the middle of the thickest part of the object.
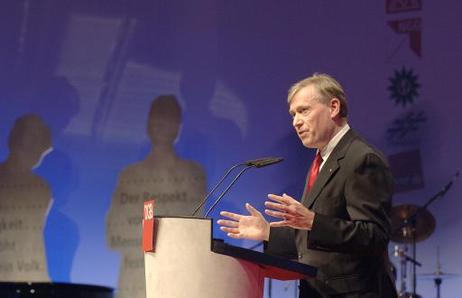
(291, 211)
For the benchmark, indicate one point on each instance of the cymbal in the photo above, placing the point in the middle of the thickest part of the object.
(401, 225)
(409, 295)
(442, 275)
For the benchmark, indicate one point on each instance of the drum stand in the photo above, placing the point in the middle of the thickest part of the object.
(438, 280)
(404, 259)
(408, 229)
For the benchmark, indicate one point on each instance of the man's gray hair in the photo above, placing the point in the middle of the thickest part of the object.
(327, 87)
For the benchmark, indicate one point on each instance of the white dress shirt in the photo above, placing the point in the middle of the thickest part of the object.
(327, 150)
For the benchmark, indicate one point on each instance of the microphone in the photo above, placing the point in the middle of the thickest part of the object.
(216, 186)
(263, 162)
(448, 186)
(256, 163)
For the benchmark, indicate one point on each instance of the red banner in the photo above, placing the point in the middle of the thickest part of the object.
(412, 27)
(397, 6)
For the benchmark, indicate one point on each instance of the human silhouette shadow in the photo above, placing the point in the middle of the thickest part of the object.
(57, 101)
(24, 201)
(177, 185)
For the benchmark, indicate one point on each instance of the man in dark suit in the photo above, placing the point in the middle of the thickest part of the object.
(341, 226)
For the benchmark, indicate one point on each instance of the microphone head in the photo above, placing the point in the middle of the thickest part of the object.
(263, 162)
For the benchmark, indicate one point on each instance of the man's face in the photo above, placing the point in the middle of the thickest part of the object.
(312, 120)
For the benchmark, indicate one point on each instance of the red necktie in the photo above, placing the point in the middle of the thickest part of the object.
(314, 171)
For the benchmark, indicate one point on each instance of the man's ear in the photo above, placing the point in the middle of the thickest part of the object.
(334, 107)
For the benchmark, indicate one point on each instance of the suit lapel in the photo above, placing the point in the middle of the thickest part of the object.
(329, 169)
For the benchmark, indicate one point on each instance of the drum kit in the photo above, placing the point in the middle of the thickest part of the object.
(412, 224)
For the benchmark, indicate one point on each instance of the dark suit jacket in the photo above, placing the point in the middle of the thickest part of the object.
(349, 238)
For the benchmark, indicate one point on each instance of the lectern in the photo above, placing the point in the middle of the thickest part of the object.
(187, 262)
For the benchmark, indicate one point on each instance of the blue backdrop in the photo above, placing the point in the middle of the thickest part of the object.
(90, 69)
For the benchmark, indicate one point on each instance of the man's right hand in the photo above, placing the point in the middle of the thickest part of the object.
(253, 226)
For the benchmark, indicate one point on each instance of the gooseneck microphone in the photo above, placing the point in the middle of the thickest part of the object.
(216, 186)
(255, 163)
(227, 188)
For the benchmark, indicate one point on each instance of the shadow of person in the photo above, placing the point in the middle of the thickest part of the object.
(57, 102)
(24, 201)
(176, 185)
(209, 138)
